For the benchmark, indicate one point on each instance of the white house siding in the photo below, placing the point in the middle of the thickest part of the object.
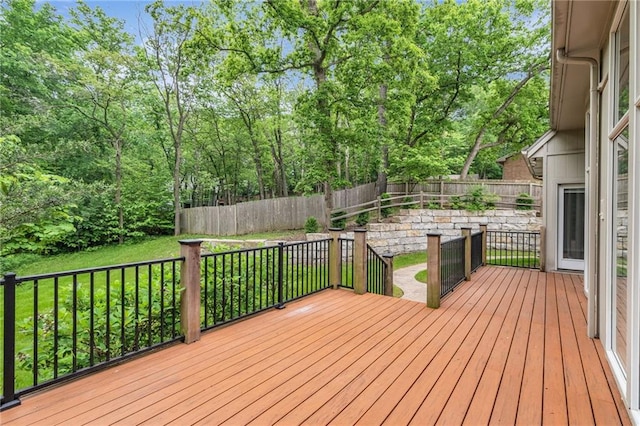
(563, 163)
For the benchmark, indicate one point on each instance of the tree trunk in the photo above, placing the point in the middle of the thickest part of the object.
(381, 181)
(176, 189)
(477, 145)
(118, 195)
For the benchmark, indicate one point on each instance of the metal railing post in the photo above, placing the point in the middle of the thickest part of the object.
(388, 277)
(9, 398)
(190, 281)
(360, 261)
(433, 270)
(280, 304)
(335, 258)
(466, 233)
(483, 229)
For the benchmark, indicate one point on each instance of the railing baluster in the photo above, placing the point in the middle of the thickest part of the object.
(122, 313)
(35, 331)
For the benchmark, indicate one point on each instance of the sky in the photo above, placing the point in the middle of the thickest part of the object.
(127, 10)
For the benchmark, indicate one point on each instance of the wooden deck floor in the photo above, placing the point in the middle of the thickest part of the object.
(508, 347)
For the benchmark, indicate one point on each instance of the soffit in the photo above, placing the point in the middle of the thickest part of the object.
(581, 28)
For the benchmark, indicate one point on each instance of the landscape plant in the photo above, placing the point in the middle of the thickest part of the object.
(524, 202)
(311, 225)
(362, 219)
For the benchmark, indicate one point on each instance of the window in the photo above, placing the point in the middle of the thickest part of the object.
(622, 68)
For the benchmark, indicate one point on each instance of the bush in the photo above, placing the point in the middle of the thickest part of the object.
(362, 219)
(384, 203)
(524, 201)
(407, 200)
(338, 223)
(476, 200)
(311, 225)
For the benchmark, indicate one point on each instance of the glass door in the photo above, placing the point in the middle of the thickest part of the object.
(620, 246)
(571, 220)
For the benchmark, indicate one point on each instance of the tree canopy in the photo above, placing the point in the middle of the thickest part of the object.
(106, 134)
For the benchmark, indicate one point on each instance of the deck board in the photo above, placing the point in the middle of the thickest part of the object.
(509, 346)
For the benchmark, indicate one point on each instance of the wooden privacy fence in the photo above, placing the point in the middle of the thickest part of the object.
(457, 187)
(291, 213)
(268, 215)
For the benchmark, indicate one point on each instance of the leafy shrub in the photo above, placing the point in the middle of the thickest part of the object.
(385, 201)
(407, 200)
(456, 202)
(311, 225)
(150, 313)
(524, 201)
(338, 223)
(362, 219)
(433, 205)
(476, 200)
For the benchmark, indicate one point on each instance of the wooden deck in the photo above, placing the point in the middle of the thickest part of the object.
(509, 347)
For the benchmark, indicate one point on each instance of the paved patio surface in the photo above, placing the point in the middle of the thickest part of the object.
(405, 279)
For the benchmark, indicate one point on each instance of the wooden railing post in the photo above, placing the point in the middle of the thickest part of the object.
(335, 258)
(388, 277)
(543, 248)
(466, 233)
(360, 261)
(421, 200)
(433, 270)
(190, 298)
(483, 229)
(379, 203)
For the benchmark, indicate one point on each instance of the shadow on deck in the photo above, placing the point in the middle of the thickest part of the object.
(510, 346)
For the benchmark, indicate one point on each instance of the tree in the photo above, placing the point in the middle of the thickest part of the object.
(103, 83)
(170, 70)
(470, 47)
(34, 204)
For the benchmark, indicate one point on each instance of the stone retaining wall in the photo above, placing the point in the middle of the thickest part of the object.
(407, 231)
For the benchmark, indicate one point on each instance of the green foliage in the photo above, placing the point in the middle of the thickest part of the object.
(209, 105)
(477, 199)
(140, 328)
(362, 219)
(524, 201)
(311, 225)
(385, 202)
(410, 203)
(338, 223)
(432, 205)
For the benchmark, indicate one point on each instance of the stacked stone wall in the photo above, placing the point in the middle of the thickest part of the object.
(407, 231)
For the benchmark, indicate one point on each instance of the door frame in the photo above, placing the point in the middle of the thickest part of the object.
(562, 263)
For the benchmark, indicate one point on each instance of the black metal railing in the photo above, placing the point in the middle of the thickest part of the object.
(476, 251)
(451, 264)
(345, 256)
(376, 272)
(73, 322)
(239, 283)
(513, 248)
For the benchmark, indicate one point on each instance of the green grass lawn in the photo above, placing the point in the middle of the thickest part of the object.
(512, 258)
(422, 276)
